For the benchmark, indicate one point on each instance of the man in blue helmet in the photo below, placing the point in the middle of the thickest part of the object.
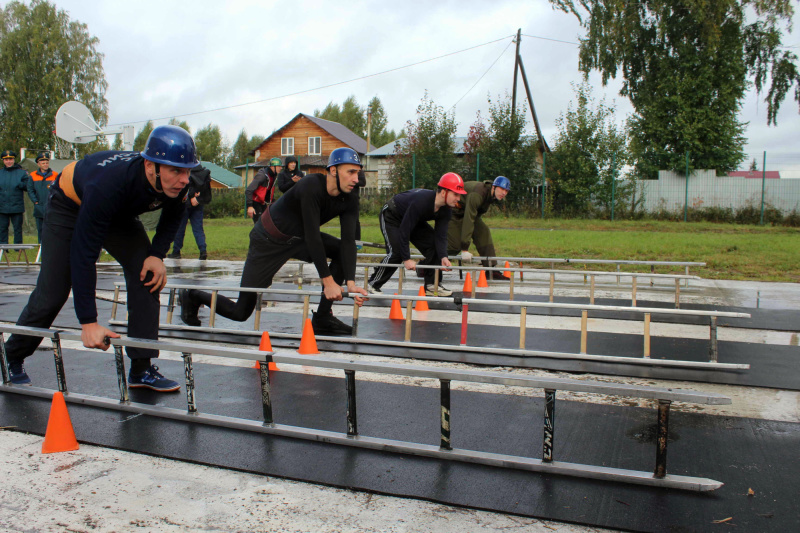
(95, 204)
(467, 224)
(290, 228)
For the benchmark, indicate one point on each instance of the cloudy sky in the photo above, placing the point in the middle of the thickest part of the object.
(255, 64)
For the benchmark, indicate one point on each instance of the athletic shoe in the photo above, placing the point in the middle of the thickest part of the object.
(374, 290)
(174, 255)
(329, 325)
(203, 256)
(18, 374)
(496, 275)
(443, 291)
(152, 379)
(189, 308)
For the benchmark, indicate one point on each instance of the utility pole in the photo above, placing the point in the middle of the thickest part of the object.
(516, 68)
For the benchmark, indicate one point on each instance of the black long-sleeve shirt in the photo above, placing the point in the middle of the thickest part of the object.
(417, 206)
(305, 207)
(113, 189)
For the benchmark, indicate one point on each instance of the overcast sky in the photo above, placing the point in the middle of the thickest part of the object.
(185, 59)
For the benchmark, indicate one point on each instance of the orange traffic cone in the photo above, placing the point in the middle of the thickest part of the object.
(482, 279)
(265, 346)
(308, 342)
(395, 312)
(421, 305)
(507, 273)
(60, 437)
(467, 284)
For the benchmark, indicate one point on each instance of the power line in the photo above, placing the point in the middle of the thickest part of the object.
(320, 87)
(548, 39)
(484, 74)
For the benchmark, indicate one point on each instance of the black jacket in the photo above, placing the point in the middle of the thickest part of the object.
(285, 180)
(200, 182)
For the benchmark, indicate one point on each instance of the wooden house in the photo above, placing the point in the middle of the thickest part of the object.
(310, 139)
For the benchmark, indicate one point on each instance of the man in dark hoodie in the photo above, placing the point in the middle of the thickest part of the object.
(291, 174)
(13, 183)
(468, 225)
(261, 190)
(39, 188)
(199, 195)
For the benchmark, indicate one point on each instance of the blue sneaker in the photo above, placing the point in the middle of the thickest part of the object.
(151, 379)
(18, 374)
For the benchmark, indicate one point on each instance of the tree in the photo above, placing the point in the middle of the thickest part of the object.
(504, 150)
(181, 124)
(242, 148)
(428, 151)
(354, 117)
(379, 134)
(48, 60)
(685, 68)
(141, 138)
(211, 146)
(589, 151)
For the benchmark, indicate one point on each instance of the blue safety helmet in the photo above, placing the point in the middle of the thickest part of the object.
(502, 182)
(342, 156)
(171, 145)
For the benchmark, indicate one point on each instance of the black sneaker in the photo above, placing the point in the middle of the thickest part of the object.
(203, 256)
(174, 255)
(442, 291)
(152, 379)
(329, 325)
(374, 290)
(496, 275)
(189, 308)
(18, 375)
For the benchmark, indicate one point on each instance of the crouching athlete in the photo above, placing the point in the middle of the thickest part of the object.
(95, 204)
(290, 228)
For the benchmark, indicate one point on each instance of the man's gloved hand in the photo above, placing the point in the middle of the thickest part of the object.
(466, 257)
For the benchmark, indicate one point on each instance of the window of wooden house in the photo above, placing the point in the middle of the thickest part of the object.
(287, 146)
(315, 146)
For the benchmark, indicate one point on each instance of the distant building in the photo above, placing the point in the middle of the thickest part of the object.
(755, 174)
(310, 139)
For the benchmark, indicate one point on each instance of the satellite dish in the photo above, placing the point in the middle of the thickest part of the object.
(75, 123)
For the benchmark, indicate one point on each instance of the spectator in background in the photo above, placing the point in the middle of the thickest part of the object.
(199, 195)
(261, 190)
(13, 183)
(39, 189)
(291, 174)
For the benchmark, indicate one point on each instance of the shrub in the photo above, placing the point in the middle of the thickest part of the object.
(225, 203)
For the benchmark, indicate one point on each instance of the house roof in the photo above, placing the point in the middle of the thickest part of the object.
(339, 131)
(388, 149)
(755, 174)
(223, 176)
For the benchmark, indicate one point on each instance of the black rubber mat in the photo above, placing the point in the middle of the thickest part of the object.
(769, 319)
(747, 455)
(770, 365)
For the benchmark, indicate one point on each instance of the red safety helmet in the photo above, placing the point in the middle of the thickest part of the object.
(452, 182)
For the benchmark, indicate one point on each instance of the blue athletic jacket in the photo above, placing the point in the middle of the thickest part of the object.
(107, 189)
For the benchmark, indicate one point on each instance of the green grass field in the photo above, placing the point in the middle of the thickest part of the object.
(731, 251)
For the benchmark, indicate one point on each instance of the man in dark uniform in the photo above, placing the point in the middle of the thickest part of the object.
(468, 225)
(290, 228)
(13, 183)
(404, 219)
(198, 196)
(39, 189)
(95, 204)
(260, 192)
